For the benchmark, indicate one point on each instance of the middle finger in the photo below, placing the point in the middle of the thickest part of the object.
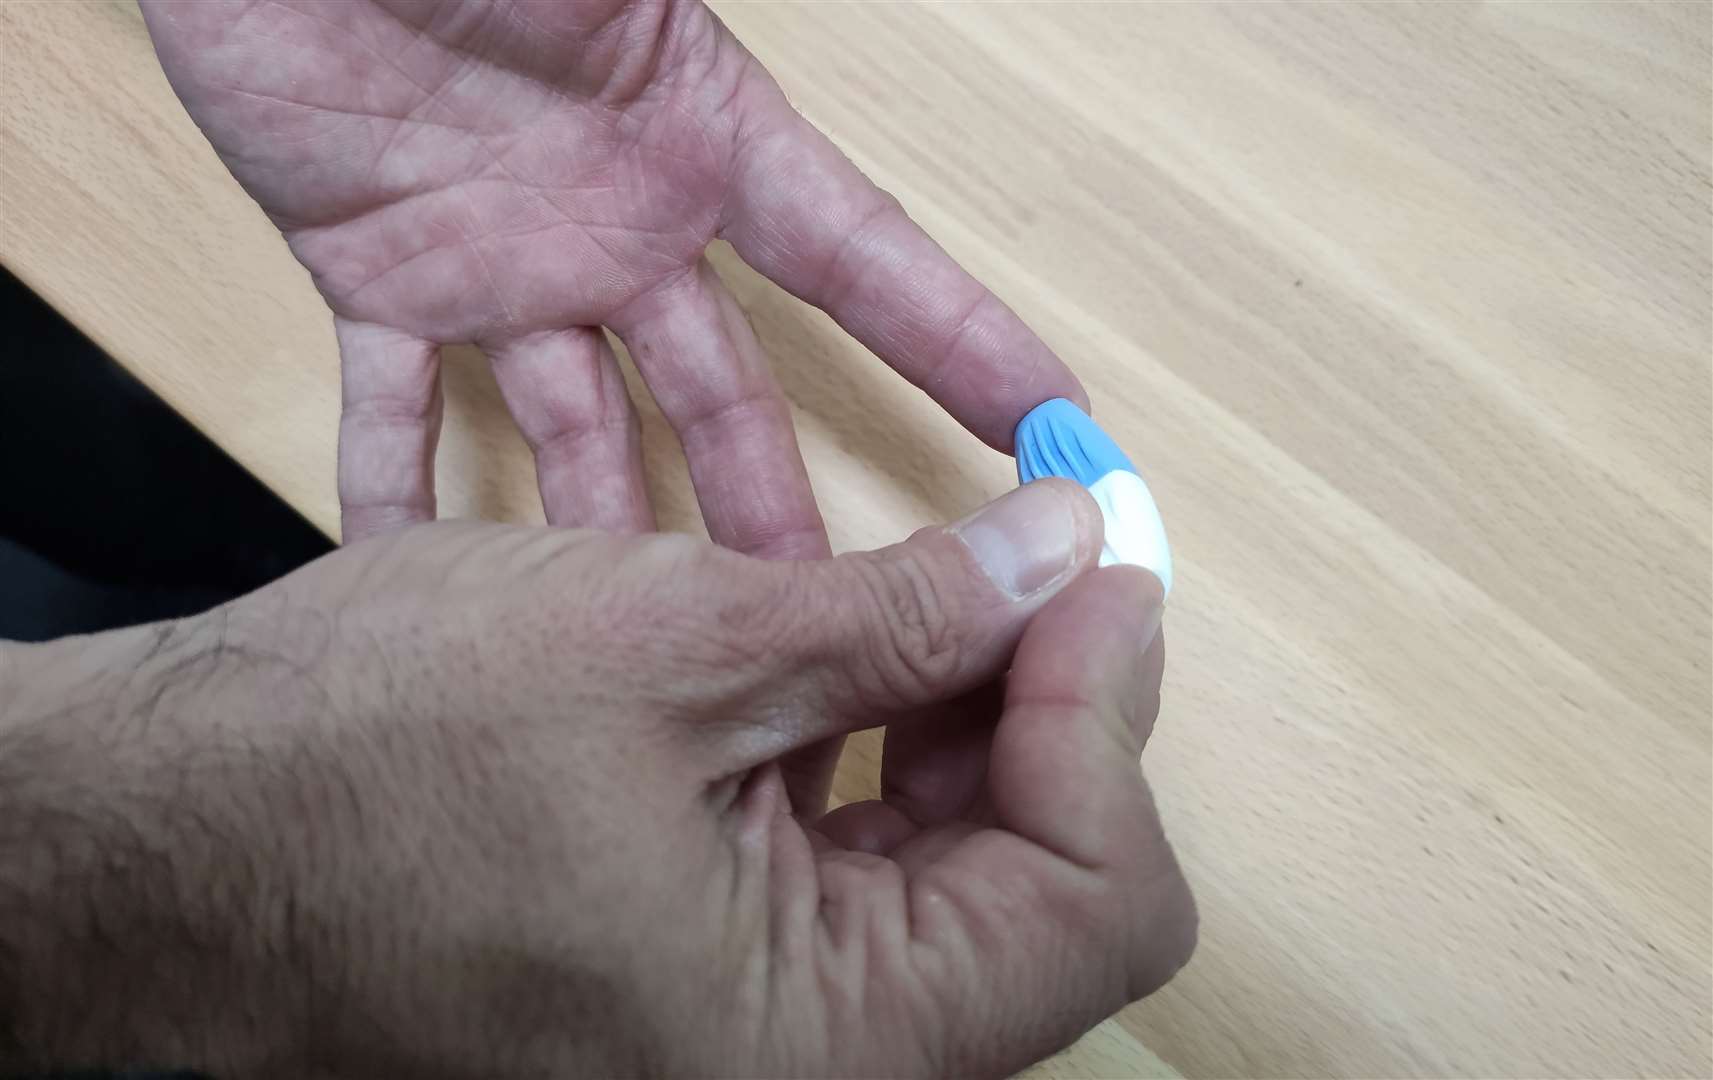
(700, 358)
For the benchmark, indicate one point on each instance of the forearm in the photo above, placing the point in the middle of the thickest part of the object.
(209, 862)
(110, 860)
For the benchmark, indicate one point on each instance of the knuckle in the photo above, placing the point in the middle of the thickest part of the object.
(755, 625)
(912, 643)
(714, 611)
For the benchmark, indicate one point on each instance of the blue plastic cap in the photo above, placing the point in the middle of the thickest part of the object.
(1059, 439)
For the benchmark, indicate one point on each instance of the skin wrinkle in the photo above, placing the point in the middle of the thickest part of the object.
(298, 231)
(395, 409)
(411, 124)
(695, 119)
(671, 37)
(651, 176)
(804, 541)
(474, 241)
(476, 233)
(745, 130)
(446, 93)
(619, 17)
(747, 832)
(425, 32)
(959, 946)
(429, 95)
(406, 415)
(949, 359)
(757, 143)
(351, 292)
(501, 837)
(585, 228)
(835, 284)
(247, 8)
(378, 54)
(400, 121)
(919, 1020)
(741, 81)
(918, 649)
(694, 421)
(580, 431)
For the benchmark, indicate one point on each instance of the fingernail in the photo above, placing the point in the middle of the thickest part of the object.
(1024, 541)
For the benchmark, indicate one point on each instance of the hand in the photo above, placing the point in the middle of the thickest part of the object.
(519, 175)
(487, 800)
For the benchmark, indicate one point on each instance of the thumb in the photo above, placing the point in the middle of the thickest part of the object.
(941, 613)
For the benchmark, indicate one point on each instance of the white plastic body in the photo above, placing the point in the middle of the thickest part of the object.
(1134, 532)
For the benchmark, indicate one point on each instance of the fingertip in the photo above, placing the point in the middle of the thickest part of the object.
(1112, 613)
(1078, 395)
(1135, 589)
(1057, 381)
(873, 827)
(1008, 395)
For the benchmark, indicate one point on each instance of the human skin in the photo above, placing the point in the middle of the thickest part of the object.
(522, 173)
(481, 800)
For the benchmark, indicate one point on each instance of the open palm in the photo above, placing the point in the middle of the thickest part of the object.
(519, 175)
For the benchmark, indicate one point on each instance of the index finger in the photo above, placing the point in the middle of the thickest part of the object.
(805, 216)
(1079, 707)
(1077, 894)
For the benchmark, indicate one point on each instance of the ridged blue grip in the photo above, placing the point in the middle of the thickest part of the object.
(1059, 439)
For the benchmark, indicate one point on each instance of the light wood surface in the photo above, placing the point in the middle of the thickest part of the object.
(1404, 311)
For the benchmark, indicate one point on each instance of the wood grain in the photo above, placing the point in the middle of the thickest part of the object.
(1403, 309)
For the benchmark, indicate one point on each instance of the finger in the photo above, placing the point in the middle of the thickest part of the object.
(696, 351)
(864, 638)
(1142, 717)
(1078, 706)
(934, 767)
(389, 425)
(700, 358)
(567, 394)
(810, 220)
(874, 827)
(1078, 893)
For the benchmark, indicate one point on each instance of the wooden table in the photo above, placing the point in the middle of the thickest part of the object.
(1405, 312)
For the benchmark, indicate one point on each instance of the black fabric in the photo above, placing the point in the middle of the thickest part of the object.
(113, 509)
